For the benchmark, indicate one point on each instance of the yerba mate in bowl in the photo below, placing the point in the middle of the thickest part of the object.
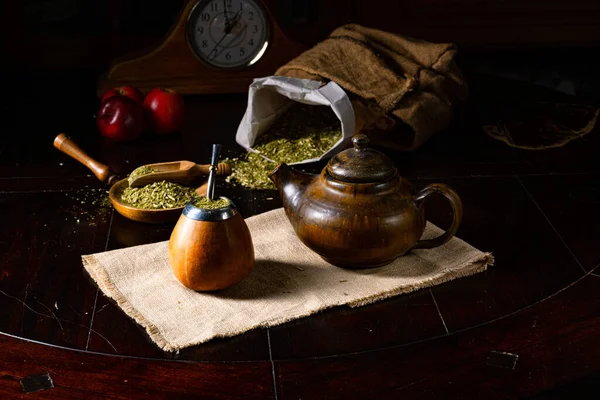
(158, 195)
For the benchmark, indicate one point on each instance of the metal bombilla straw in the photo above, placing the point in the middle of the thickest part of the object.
(216, 151)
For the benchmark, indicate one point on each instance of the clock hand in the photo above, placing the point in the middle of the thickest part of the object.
(227, 45)
(227, 22)
(235, 19)
(217, 45)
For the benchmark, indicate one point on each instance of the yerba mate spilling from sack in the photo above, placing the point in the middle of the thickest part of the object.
(393, 81)
(301, 133)
(310, 107)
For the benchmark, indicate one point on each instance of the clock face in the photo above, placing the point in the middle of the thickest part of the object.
(228, 33)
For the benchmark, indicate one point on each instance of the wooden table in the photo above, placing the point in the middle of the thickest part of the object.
(538, 212)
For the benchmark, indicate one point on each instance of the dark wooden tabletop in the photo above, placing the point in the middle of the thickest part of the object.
(537, 211)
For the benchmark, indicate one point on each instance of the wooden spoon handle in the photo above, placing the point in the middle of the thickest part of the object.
(70, 148)
(204, 169)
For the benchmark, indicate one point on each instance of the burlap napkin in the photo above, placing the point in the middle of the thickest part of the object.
(289, 281)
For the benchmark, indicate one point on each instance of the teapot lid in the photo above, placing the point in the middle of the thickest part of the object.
(361, 164)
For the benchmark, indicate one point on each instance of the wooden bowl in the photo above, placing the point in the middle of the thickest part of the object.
(103, 172)
(151, 216)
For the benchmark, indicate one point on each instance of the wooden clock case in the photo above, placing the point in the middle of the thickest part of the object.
(173, 63)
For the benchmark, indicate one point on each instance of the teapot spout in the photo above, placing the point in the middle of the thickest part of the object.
(290, 183)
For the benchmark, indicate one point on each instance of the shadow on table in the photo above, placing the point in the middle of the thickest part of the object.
(279, 280)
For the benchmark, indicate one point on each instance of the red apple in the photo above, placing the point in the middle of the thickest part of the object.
(165, 110)
(128, 91)
(120, 119)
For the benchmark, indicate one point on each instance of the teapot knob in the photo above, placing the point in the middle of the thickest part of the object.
(360, 141)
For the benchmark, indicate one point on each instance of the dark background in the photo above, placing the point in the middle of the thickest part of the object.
(515, 36)
(53, 51)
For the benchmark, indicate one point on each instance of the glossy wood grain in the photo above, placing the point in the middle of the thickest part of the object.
(563, 201)
(78, 375)
(455, 366)
(44, 293)
(531, 262)
(535, 211)
(343, 330)
(35, 184)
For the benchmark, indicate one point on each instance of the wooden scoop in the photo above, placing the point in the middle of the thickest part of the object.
(103, 172)
(182, 172)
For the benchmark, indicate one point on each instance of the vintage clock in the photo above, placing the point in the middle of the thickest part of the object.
(216, 46)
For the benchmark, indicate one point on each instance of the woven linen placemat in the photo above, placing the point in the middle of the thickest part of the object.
(289, 281)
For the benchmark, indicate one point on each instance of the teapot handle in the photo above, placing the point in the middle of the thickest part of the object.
(457, 211)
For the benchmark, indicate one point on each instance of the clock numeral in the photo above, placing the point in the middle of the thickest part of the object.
(242, 51)
(251, 16)
(227, 56)
(206, 17)
(201, 29)
(255, 28)
(204, 44)
(251, 42)
(214, 7)
(213, 53)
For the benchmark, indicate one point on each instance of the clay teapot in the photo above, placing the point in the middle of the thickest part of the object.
(359, 212)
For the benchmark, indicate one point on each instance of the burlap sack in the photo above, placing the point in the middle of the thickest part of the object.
(405, 86)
